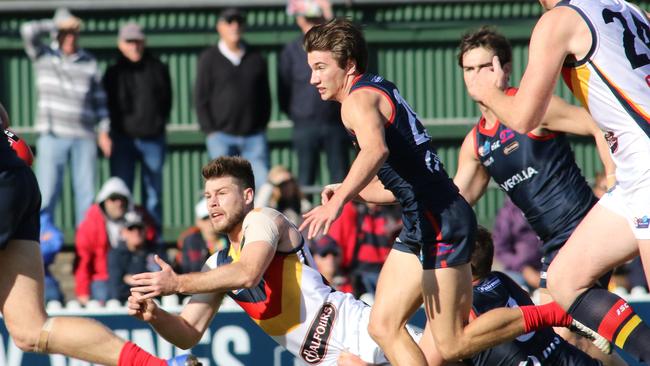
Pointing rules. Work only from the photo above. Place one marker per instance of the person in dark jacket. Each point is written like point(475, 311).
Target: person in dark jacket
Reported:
point(316, 123)
point(134, 254)
point(232, 96)
point(139, 94)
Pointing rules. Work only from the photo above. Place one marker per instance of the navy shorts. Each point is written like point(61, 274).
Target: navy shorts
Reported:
point(445, 239)
point(20, 205)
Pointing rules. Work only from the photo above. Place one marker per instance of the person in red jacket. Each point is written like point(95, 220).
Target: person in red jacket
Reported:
point(365, 235)
point(99, 232)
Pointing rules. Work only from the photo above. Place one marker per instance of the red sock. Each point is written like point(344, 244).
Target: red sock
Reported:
point(132, 355)
point(547, 315)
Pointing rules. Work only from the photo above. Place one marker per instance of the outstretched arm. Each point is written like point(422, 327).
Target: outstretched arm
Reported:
point(247, 272)
point(184, 330)
point(361, 113)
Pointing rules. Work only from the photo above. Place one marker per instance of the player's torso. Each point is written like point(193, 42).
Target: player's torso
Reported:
point(539, 174)
point(295, 306)
point(613, 82)
point(413, 171)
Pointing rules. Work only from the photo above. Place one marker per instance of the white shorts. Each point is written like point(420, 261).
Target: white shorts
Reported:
point(368, 350)
point(633, 205)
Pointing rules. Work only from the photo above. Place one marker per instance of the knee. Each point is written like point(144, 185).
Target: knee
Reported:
point(25, 336)
point(450, 348)
point(383, 329)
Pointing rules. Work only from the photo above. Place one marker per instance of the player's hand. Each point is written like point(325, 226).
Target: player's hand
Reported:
point(486, 80)
point(320, 218)
point(140, 308)
point(348, 359)
point(152, 284)
point(328, 192)
point(105, 144)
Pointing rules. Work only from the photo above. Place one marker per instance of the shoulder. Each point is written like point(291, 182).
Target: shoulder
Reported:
point(260, 218)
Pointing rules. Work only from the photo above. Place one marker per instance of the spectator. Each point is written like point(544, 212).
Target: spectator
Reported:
point(139, 94)
point(233, 101)
point(71, 102)
point(516, 246)
point(133, 254)
point(97, 234)
point(327, 256)
point(198, 242)
point(282, 192)
point(51, 239)
point(316, 123)
point(365, 234)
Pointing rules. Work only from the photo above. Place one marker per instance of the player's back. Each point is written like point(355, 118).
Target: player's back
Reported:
point(542, 347)
point(612, 83)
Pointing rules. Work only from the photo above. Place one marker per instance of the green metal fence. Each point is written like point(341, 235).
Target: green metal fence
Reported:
point(413, 45)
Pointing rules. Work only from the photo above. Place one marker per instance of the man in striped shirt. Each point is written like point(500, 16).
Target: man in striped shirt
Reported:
point(71, 109)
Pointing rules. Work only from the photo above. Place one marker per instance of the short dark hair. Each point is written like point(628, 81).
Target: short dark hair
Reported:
point(483, 253)
point(487, 37)
point(342, 38)
point(233, 166)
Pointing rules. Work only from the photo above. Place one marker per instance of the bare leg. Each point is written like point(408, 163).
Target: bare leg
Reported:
point(21, 301)
point(397, 297)
point(590, 245)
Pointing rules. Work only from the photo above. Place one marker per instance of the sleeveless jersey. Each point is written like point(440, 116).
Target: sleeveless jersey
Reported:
point(542, 347)
point(613, 83)
point(413, 171)
point(296, 307)
point(540, 175)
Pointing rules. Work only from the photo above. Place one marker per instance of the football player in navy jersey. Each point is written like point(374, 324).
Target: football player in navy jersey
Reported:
point(601, 49)
point(536, 170)
point(397, 163)
point(21, 283)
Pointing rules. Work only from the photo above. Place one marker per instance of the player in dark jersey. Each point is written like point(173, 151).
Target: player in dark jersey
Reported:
point(495, 289)
point(536, 170)
point(21, 283)
point(397, 163)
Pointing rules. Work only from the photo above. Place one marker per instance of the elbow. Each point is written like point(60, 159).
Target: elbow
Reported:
point(250, 281)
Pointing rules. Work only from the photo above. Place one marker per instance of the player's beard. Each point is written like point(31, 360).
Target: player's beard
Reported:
point(230, 221)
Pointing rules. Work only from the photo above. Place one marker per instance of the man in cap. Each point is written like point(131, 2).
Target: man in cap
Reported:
point(316, 123)
point(139, 94)
point(72, 109)
point(232, 96)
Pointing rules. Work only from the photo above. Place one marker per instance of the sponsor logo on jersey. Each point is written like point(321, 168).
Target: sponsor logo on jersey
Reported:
point(488, 161)
point(511, 148)
point(377, 79)
point(484, 149)
point(642, 222)
point(495, 145)
point(522, 176)
point(506, 135)
point(612, 141)
point(314, 347)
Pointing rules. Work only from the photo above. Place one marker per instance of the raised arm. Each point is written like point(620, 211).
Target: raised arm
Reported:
point(471, 177)
point(553, 39)
point(33, 33)
point(564, 117)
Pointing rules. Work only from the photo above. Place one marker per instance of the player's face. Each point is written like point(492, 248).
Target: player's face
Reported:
point(326, 75)
point(226, 203)
point(476, 59)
